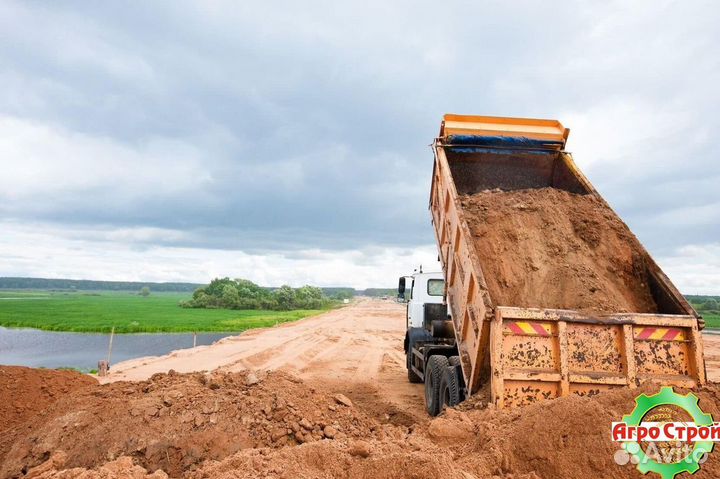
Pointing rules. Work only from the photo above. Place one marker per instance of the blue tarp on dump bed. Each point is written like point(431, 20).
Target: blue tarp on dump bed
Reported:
point(467, 142)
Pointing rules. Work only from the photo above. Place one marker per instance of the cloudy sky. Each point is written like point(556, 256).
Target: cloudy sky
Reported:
point(287, 142)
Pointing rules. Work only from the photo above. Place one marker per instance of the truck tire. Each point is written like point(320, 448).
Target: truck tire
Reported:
point(455, 361)
point(434, 371)
point(449, 388)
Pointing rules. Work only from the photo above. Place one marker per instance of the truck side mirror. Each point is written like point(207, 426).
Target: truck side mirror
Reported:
point(401, 287)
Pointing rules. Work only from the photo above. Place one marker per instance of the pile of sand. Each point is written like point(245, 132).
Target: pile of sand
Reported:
point(26, 391)
point(249, 430)
point(548, 248)
point(174, 422)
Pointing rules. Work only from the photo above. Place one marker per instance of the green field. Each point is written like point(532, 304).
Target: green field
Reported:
point(128, 313)
point(711, 317)
point(711, 320)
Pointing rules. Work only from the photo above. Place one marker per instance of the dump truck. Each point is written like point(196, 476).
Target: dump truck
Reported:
point(506, 331)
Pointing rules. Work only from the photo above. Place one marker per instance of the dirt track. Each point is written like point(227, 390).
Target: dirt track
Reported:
point(711, 343)
point(357, 350)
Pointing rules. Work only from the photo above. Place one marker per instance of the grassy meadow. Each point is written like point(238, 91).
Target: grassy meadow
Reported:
point(709, 311)
point(128, 312)
point(712, 320)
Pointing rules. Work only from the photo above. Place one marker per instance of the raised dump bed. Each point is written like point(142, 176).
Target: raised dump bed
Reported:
point(548, 291)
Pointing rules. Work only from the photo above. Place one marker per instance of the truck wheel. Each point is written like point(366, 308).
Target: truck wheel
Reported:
point(449, 388)
point(412, 377)
point(455, 361)
point(434, 371)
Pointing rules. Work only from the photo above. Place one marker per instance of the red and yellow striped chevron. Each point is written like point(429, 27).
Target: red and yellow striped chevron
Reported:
point(659, 334)
point(527, 328)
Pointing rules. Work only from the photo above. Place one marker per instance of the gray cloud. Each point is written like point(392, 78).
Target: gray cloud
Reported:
point(277, 126)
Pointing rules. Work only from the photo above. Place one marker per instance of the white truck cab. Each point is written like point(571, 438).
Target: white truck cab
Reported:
point(418, 290)
point(429, 329)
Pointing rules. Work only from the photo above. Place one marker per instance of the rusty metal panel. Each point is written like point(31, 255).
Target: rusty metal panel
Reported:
point(590, 390)
point(531, 345)
point(466, 292)
point(541, 353)
point(594, 348)
point(660, 357)
point(522, 393)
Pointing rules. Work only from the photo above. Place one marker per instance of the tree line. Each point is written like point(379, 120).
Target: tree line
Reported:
point(16, 283)
point(92, 285)
point(710, 304)
point(226, 293)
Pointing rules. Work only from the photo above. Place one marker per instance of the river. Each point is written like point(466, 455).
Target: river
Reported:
point(49, 349)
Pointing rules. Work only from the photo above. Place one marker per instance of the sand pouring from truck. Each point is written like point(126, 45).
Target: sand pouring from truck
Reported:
point(544, 292)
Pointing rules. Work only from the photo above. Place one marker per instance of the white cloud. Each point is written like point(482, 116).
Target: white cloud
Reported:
point(695, 269)
point(623, 134)
point(148, 139)
point(45, 161)
point(42, 250)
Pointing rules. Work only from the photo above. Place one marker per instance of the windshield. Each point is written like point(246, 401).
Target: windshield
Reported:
point(436, 287)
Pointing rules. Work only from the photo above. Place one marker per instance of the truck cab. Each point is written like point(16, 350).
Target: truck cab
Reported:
point(429, 333)
point(417, 291)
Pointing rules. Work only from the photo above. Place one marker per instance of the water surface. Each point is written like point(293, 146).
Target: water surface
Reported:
point(49, 349)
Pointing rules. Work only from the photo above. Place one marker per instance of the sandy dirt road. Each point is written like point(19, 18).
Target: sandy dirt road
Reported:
point(711, 343)
point(356, 350)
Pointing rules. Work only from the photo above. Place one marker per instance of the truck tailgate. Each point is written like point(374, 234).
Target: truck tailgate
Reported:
point(545, 353)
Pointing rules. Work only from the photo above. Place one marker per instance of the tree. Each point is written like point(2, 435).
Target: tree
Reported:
point(285, 297)
point(199, 300)
point(216, 286)
point(145, 291)
point(344, 294)
point(229, 297)
point(308, 297)
point(710, 305)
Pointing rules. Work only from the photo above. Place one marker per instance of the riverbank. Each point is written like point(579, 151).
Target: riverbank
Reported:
point(99, 312)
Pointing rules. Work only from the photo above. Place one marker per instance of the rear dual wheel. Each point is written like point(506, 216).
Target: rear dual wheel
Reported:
point(434, 371)
point(442, 387)
point(450, 387)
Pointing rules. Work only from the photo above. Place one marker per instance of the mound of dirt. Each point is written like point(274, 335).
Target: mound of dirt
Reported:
point(174, 422)
point(565, 438)
point(26, 391)
point(548, 248)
